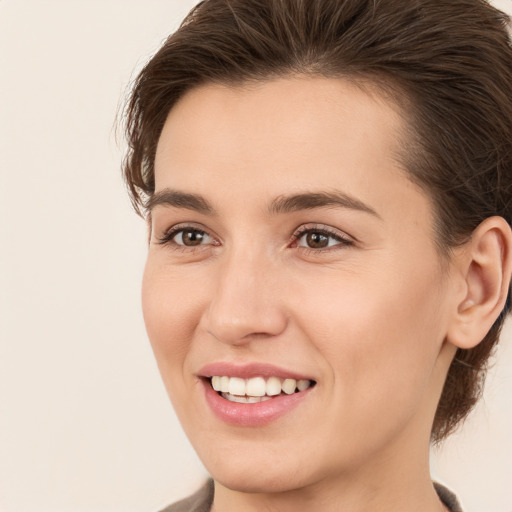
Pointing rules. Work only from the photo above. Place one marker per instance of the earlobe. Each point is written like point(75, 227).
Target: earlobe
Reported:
point(485, 265)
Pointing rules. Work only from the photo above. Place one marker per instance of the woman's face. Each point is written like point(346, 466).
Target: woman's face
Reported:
point(287, 244)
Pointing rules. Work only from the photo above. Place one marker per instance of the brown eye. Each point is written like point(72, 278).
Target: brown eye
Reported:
point(316, 240)
point(191, 237)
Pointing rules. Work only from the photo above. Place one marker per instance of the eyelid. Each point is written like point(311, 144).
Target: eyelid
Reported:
point(343, 238)
point(166, 238)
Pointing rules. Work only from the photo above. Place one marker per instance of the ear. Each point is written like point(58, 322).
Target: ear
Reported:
point(484, 267)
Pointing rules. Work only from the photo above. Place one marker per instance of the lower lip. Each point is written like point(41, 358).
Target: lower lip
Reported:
point(251, 415)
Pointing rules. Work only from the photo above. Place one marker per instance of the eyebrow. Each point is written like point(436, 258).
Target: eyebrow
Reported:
point(177, 199)
point(280, 205)
point(311, 200)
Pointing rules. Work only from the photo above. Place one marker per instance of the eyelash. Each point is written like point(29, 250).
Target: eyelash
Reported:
point(168, 236)
point(342, 240)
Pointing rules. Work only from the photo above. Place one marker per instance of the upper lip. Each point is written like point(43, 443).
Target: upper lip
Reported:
point(249, 370)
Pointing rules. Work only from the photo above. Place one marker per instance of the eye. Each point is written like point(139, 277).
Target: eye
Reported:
point(191, 237)
point(186, 237)
point(316, 238)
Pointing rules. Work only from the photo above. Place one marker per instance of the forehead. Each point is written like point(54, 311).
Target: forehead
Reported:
point(277, 124)
point(280, 123)
point(285, 136)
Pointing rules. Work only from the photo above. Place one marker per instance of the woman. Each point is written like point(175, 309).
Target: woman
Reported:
point(328, 190)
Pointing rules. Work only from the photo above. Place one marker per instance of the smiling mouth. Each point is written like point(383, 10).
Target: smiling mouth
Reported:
point(256, 389)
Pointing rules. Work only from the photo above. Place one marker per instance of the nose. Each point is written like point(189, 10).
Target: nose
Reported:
point(246, 303)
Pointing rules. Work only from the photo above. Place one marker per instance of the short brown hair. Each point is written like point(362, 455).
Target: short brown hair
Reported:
point(450, 62)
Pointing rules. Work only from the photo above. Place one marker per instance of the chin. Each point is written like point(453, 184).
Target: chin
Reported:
point(261, 473)
point(256, 482)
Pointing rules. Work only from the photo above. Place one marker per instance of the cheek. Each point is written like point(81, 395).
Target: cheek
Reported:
point(170, 313)
point(380, 340)
point(171, 309)
point(380, 333)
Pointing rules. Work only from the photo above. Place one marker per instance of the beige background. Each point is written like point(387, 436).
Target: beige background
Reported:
point(85, 424)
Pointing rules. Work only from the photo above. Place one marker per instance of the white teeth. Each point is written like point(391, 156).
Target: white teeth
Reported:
point(216, 383)
point(273, 386)
point(236, 386)
point(289, 386)
point(303, 384)
point(224, 384)
point(245, 399)
point(256, 388)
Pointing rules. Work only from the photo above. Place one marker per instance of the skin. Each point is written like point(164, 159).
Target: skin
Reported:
point(368, 318)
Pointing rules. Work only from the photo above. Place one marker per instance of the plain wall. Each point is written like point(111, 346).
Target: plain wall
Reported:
point(85, 424)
